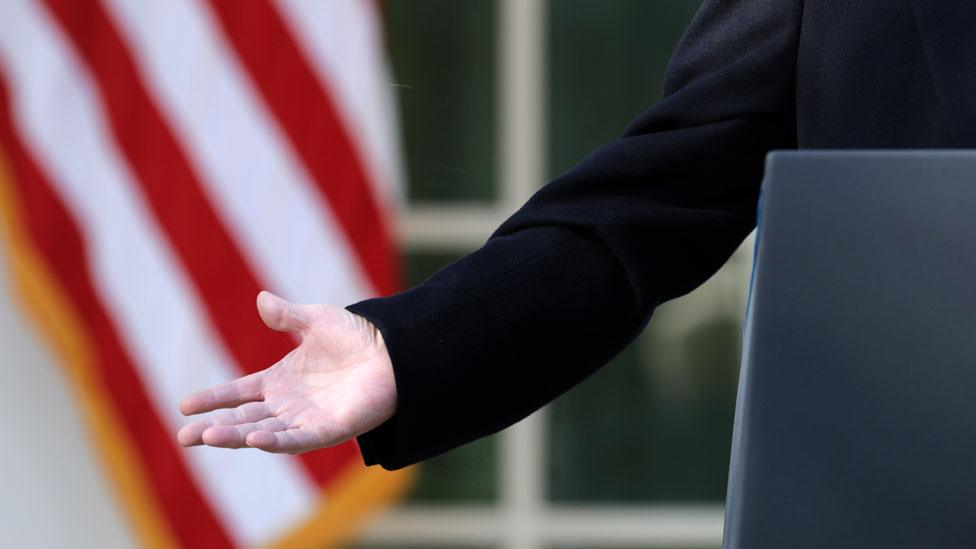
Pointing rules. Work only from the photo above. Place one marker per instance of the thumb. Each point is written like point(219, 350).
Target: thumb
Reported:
point(283, 315)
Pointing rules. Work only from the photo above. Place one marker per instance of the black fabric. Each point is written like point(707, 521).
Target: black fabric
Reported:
point(574, 275)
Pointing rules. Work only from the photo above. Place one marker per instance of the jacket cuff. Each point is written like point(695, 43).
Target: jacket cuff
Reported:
point(381, 446)
point(377, 446)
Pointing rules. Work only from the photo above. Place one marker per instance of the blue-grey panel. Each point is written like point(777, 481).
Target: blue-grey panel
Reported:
point(856, 416)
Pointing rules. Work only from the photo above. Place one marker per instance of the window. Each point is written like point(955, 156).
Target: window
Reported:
point(497, 97)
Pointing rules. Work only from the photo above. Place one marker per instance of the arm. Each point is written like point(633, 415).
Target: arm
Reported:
point(558, 290)
point(572, 277)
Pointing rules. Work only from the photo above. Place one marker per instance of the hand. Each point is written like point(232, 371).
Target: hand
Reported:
point(338, 383)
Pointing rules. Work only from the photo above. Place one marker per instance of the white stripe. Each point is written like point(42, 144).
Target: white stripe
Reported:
point(343, 39)
point(58, 113)
point(254, 180)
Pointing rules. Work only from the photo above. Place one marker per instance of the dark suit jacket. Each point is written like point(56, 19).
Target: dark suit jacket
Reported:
point(573, 276)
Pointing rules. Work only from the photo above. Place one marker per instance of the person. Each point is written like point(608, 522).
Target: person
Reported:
point(573, 276)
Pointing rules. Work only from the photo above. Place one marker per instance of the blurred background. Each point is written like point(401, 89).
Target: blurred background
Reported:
point(487, 100)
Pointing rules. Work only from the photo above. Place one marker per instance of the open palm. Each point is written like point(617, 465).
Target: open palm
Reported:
point(338, 383)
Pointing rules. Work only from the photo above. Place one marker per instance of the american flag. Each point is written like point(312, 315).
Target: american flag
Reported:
point(160, 163)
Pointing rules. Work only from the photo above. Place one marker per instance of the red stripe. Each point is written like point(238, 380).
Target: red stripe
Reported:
point(223, 280)
point(59, 241)
point(307, 113)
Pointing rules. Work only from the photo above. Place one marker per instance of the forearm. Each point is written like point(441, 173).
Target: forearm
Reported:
point(488, 340)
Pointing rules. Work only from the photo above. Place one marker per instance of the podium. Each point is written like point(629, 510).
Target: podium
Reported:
point(855, 422)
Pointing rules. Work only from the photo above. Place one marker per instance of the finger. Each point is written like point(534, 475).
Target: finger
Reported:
point(283, 315)
point(192, 434)
point(245, 413)
point(292, 441)
point(226, 395)
point(233, 436)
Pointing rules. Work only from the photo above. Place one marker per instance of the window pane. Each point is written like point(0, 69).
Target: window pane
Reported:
point(655, 425)
point(466, 473)
point(463, 475)
point(443, 55)
point(606, 64)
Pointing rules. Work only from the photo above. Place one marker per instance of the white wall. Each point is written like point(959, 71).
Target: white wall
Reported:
point(52, 489)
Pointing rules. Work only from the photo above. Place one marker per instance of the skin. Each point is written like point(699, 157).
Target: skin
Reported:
point(338, 383)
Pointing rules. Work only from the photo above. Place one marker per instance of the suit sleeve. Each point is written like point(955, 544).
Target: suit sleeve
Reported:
point(573, 276)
